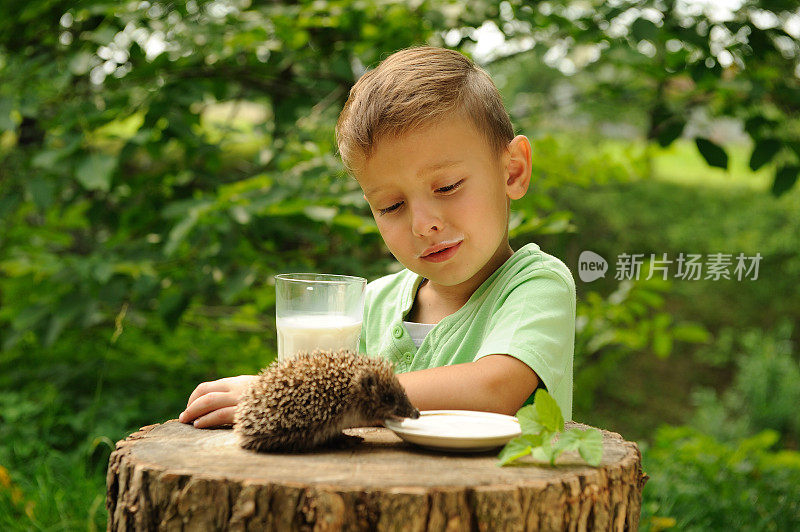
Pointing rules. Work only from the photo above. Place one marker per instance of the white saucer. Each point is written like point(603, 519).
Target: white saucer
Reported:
point(457, 430)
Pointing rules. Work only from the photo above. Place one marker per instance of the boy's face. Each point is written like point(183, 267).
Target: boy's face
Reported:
point(440, 196)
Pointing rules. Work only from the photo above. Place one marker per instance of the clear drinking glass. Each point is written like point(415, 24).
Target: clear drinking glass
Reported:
point(318, 311)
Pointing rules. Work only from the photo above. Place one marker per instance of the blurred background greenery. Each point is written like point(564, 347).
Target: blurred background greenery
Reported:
point(160, 161)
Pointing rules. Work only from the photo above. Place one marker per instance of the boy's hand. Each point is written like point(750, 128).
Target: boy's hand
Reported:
point(214, 403)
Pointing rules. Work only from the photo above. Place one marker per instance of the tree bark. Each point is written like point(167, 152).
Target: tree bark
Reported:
point(175, 477)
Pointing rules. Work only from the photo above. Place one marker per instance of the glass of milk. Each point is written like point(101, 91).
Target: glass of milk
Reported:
point(318, 311)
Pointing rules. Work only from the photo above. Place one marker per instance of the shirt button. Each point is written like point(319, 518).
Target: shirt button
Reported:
point(408, 355)
point(398, 331)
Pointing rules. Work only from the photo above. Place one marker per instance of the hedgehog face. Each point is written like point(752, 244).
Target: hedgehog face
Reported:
point(384, 397)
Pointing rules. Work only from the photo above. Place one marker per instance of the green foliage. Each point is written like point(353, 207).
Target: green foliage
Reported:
point(53, 480)
point(632, 318)
point(687, 209)
point(698, 482)
point(61, 409)
point(724, 472)
point(765, 390)
point(661, 216)
point(544, 438)
point(133, 121)
point(659, 64)
point(176, 155)
point(556, 162)
point(629, 320)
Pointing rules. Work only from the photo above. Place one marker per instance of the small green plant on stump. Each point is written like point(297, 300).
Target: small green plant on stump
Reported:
point(542, 423)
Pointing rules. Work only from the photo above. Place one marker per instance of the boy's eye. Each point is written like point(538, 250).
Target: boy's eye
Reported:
point(390, 208)
point(440, 190)
point(450, 188)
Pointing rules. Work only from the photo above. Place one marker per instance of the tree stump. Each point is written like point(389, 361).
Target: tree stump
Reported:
point(173, 476)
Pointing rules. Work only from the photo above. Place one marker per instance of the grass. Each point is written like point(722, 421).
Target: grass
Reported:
point(63, 409)
point(682, 164)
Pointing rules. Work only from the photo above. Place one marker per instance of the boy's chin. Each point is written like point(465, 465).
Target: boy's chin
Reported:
point(442, 274)
point(446, 280)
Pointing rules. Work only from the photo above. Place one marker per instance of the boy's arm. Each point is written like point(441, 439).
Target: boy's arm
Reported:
point(494, 383)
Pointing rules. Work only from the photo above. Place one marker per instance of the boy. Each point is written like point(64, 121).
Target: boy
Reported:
point(469, 324)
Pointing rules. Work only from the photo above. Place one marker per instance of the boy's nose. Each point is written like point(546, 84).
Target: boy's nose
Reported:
point(424, 222)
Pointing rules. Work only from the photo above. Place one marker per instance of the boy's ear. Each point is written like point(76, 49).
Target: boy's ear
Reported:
point(518, 168)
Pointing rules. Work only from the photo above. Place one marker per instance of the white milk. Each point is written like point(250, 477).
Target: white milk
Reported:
point(309, 332)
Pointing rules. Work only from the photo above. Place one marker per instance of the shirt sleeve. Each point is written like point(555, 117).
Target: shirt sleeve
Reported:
point(536, 324)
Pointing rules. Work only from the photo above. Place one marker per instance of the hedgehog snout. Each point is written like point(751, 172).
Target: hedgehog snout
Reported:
point(402, 409)
point(414, 415)
point(408, 410)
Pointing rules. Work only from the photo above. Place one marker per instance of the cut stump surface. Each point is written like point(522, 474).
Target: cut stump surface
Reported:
point(173, 476)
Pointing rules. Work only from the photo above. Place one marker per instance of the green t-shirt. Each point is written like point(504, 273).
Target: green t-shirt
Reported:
point(525, 309)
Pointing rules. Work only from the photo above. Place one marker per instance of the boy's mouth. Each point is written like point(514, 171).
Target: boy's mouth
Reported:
point(441, 252)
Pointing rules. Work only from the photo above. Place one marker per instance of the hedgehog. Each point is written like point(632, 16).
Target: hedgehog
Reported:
point(305, 402)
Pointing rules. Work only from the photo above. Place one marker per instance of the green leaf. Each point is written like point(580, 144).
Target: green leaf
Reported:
point(529, 420)
point(351, 220)
point(179, 233)
point(662, 343)
point(763, 152)
point(6, 108)
point(567, 441)
point(590, 446)
point(670, 131)
point(516, 448)
point(795, 147)
point(690, 36)
point(320, 213)
point(46, 159)
point(755, 124)
point(662, 338)
point(643, 29)
point(548, 412)
point(712, 153)
point(103, 35)
point(690, 332)
point(535, 440)
point(95, 171)
point(785, 179)
point(544, 452)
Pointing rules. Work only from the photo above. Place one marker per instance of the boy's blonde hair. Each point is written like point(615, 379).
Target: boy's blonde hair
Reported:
point(413, 88)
